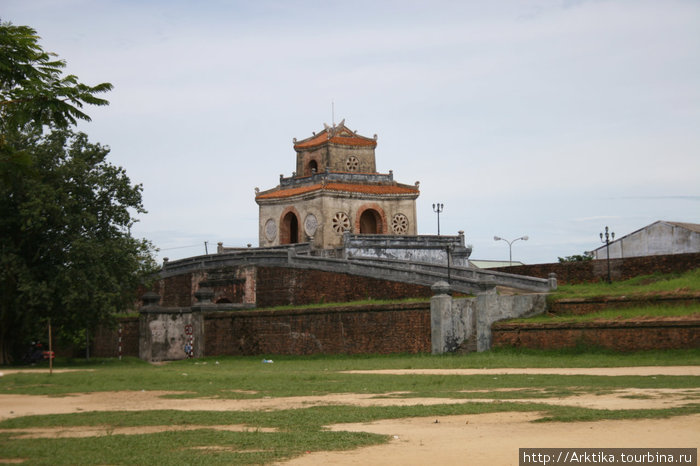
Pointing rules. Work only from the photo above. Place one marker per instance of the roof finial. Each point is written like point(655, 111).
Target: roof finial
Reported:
point(333, 113)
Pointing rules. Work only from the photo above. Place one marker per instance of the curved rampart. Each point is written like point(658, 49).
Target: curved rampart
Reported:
point(460, 279)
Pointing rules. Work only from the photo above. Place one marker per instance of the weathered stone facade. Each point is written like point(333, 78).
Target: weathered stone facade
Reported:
point(335, 189)
point(659, 238)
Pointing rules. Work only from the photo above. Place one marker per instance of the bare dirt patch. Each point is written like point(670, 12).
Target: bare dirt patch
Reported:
point(495, 438)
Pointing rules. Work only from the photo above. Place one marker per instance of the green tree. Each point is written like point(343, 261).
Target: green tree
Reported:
point(33, 89)
point(66, 250)
point(586, 256)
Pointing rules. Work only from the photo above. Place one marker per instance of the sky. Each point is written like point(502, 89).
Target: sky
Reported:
point(551, 119)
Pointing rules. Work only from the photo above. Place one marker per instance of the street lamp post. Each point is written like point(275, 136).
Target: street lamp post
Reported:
point(510, 246)
point(606, 240)
point(438, 208)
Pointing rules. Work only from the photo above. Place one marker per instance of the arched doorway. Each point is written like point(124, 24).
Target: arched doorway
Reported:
point(289, 233)
point(370, 223)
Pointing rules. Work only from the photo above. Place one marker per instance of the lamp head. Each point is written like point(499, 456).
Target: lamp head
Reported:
point(497, 238)
point(525, 238)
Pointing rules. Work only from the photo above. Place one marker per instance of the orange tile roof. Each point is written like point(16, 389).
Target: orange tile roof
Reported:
point(338, 135)
point(339, 187)
point(322, 138)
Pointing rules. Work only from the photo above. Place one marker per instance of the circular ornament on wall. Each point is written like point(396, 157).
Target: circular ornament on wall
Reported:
point(352, 163)
point(310, 224)
point(340, 222)
point(399, 224)
point(270, 230)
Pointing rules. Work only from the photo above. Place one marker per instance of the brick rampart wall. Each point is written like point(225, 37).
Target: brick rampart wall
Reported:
point(175, 291)
point(106, 341)
point(277, 286)
point(383, 329)
point(616, 335)
point(589, 305)
point(597, 270)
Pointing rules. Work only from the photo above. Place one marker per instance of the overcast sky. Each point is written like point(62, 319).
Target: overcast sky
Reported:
point(550, 119)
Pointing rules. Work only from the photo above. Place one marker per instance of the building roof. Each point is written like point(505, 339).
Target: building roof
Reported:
point(694, 227)
point(339, 187)
point(688, 226)
point(337, 134)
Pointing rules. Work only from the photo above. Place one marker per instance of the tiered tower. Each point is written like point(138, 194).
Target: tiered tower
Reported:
point(336, 188)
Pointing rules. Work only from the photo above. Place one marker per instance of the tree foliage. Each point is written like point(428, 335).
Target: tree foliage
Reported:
point(586, 256)
point(33, 89)
point(65, 212)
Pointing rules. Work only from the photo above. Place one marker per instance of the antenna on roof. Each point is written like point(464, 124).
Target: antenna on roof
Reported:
point(333, 113)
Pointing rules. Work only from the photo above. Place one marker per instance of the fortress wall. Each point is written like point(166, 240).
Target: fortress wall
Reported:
point(616, 335)
point(380, 329)
point(597, 270)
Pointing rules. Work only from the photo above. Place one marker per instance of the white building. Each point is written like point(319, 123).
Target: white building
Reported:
point(659, 238)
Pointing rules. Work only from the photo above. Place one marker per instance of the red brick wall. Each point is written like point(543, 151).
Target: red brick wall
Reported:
point(175, 291)
point(279, 286)
point(392, 328)
point(589, 305)
point(616, 335)
point(620, 269)
point(106, 341)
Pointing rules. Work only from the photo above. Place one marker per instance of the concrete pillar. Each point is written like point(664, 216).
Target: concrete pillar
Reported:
point(440, 317)
point(487, 307)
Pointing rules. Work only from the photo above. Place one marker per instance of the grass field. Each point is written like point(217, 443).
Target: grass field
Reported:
point(282, 433)
point(644, 285)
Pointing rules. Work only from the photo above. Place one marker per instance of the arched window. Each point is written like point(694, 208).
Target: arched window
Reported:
point(313, 167)
point(370, 223)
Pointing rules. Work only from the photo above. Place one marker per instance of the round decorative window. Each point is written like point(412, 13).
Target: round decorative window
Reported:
point(340, 222)
point(310, 224)
point(352, 163)
point(400, 224)
point(270, 230)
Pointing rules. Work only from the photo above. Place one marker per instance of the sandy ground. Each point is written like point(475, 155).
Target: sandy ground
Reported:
point(468, 439)
point(494, 439)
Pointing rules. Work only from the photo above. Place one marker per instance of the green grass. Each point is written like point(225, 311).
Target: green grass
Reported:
point(657, 283)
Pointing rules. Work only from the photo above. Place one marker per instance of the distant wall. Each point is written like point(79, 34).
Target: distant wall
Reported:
point(589, 305)
point(615, 335)
point(656, 239)
point(597, 270)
